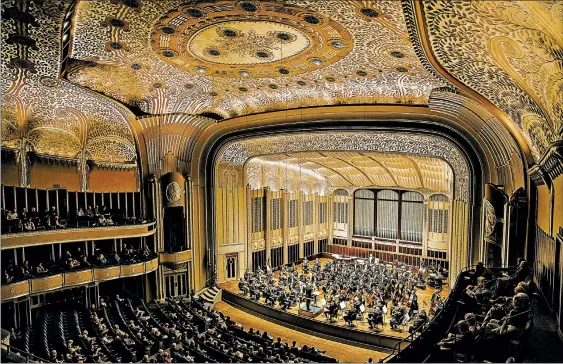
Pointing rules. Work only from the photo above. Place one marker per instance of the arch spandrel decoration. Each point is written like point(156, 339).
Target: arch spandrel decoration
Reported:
point(234, 155)
point(510, 52)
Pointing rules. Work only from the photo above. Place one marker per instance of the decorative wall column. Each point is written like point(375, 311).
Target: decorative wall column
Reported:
point(494, 205)
point(249, 247)
point(22, 159)
point(301, 222)
point(350, 224)
point(315, 217)
point(425, 227)
point(330, 218)
point(268, 224)
point(285, 219)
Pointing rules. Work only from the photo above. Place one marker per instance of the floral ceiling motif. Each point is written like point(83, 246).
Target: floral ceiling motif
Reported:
point(509, 51)
point(43, 114)
point(303, 53)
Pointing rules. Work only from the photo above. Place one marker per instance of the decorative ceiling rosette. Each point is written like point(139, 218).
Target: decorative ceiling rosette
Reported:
point(251, 38)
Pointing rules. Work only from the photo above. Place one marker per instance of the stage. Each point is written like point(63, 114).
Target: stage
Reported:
point(424, 297)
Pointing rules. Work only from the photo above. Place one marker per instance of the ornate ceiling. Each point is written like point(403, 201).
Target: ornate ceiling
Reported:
point(240, 57)
point(509, 51)
point(75, 73)
point(43, 114)
point(345, 159)
point(352, 169)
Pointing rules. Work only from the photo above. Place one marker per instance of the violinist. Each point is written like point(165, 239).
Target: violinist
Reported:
point(375, 317)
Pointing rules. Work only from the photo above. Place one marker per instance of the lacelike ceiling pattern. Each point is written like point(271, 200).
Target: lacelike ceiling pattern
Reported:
point(45, 115)
point(509, 51)
point(355, 169)
point(410, 158)
point(242, 57)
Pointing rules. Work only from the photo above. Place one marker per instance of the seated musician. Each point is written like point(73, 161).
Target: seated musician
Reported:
point(332, 310)
point(305, 265)
point(375, 317)
point(351, 314)
point(397, 316)
point(419, 321)
point(284, 300)
point(243, 286)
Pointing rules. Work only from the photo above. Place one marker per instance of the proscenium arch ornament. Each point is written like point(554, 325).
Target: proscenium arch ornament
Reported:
point(233, 154)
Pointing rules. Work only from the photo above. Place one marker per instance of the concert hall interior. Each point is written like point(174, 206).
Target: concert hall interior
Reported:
point(282, 181)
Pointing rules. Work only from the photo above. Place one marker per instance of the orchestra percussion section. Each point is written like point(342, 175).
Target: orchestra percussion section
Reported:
point(283, 181)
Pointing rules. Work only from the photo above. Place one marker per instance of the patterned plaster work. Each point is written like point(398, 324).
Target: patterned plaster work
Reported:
point(501, 149)
point(423, 148)
point(174, 134)
point(511, 53)
point(349, 170)
point(378, 63)
point(45, 115)
point(251, 38)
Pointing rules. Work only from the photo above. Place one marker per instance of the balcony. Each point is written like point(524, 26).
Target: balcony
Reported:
point(76, 278)
point(42, 237)
point(176, 257)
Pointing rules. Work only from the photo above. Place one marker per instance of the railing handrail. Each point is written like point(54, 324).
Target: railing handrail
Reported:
point(410, 337)
point(424, 328)
point(25, 354)
point(92, 270)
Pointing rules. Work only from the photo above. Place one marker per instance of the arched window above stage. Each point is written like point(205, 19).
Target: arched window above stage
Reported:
point(412, 216)
point(364, 213)
point(389, 214)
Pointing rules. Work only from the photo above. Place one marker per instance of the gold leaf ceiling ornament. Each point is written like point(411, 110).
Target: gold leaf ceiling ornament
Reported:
point(377, 63)
point(248, 38)
point(353, 159)
point(511, 53)
point(42, 113)
point(339, 169)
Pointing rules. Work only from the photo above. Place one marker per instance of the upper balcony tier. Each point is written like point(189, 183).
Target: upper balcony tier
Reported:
point(66, 235)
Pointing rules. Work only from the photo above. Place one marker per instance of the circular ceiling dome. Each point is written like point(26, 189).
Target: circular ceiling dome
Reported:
point(256, 42)
point(227, 39)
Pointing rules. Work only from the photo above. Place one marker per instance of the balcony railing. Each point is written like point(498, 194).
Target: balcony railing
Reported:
point(76, 278)
point(41, 237)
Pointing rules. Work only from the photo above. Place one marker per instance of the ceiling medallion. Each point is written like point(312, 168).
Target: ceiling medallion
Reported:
point(258, 39)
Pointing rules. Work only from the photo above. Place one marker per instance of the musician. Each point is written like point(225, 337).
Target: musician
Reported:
point(284, 300)
point(305, 265)
point(397, 317)
point(351, 314)
point(419, 321)
point(243, 286)
point(375, 317)
point(332, 310)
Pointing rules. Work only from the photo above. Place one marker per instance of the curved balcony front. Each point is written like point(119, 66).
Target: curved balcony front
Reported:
point(76, 278)
point(176, 257)
point(41, 237)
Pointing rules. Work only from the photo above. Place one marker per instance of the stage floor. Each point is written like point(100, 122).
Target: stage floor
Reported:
point(343, 352)
point(424, 297)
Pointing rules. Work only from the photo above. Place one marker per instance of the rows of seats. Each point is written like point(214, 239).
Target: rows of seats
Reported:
point(488, 317)
point(129, 330)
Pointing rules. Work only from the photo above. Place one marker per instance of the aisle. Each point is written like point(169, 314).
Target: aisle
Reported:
point(344, 353)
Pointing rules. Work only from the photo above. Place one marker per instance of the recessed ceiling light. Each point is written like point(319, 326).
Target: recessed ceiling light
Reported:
point(244, 73)
point(201, 69)
point(316, 61)
point(336, 44)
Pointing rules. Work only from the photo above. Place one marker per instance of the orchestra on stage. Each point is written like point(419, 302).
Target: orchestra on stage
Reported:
point(350, 290)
